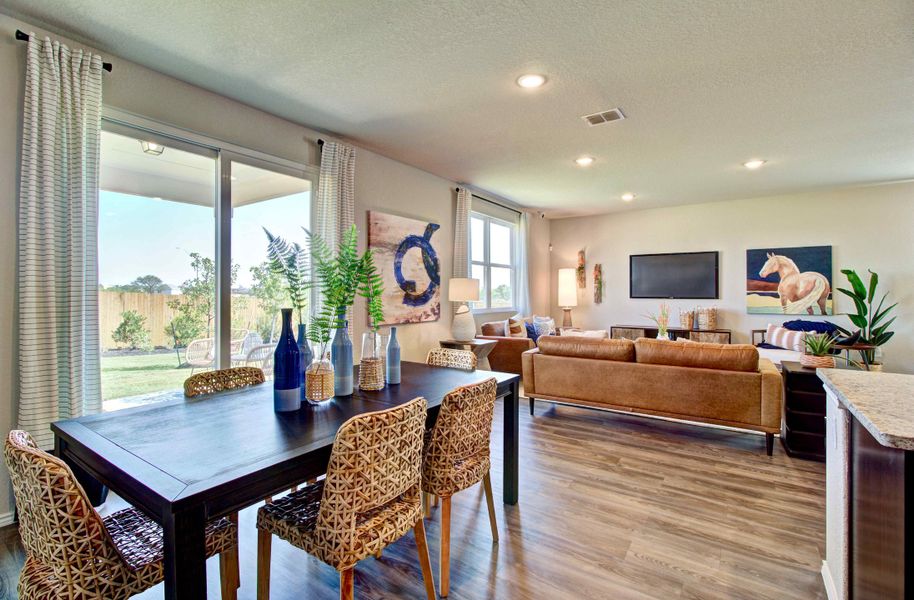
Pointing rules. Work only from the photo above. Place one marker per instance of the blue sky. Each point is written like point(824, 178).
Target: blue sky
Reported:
point(147, 236)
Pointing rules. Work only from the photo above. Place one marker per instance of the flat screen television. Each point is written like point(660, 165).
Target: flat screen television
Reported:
point(690, 275)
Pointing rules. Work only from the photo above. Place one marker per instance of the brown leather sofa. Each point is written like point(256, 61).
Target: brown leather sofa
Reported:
point(506, 355)
point(723, 384)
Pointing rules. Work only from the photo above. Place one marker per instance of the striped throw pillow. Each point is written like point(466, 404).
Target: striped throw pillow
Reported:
point(785, 338)
point(516, 327)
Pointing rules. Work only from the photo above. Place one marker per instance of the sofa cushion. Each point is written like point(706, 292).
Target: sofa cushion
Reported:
point(517, 327)
point(581, 347)
point(494, 328)
point(785, 338)
point(700, 355)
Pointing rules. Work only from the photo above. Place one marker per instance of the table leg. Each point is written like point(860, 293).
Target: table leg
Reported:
point(95, 491)
point(512, 443)
point(185, 554)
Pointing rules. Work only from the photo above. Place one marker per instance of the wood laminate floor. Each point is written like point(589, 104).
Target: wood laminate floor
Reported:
point(611, 506)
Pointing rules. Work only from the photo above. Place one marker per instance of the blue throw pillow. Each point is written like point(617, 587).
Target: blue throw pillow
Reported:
point(768, 346)
point(531, 332)
point(810, 326)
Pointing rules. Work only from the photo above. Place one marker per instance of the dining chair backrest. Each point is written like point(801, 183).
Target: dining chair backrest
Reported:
point(457, 453)
point(209, 382)
point(454, 359)
point(375, 463)
point(57, 523)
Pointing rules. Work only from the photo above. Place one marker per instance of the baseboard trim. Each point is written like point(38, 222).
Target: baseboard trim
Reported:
point(7, 519)
point(830, 592)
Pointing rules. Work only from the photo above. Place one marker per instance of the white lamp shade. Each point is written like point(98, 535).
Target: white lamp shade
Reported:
point(461, 289)
point(568, 288)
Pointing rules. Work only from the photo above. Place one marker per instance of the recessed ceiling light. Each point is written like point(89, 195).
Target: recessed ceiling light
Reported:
point(628, 196)
point(755, 163)
point(233, 178)
point(531, 81)
point(584, 161)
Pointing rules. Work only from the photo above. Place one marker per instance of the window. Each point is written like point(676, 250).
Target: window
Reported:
point(174, 209)
point(492, 261)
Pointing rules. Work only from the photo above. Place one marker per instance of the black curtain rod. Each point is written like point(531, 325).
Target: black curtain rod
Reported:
point(24, 37)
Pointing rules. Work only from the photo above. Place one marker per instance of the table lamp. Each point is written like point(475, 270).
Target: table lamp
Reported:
point(463, 290)
point(568, 293)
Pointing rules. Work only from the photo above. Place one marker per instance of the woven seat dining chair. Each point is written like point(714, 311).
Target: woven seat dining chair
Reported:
point(369, 499)
point(454, 359)
point(210, 382)
point(456, 456)
point(72, 552)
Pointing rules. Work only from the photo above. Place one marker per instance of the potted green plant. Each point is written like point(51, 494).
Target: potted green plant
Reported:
point(371, 287)
point(874, 328)
point(819, 348)
point(662, 319)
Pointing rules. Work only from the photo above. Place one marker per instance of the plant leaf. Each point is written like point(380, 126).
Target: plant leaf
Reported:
point(856, 283)
point(874, 281)
point(858, 321)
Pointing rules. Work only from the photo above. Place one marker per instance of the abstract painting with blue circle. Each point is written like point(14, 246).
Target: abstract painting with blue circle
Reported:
point(406, 254)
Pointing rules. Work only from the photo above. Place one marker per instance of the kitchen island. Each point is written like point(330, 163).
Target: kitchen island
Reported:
point(869, 485)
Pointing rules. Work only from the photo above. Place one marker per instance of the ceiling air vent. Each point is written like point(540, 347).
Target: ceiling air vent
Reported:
point(608, 116)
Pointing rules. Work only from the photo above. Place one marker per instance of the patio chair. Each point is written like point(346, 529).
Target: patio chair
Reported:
point(200, 354)
point(261, 357)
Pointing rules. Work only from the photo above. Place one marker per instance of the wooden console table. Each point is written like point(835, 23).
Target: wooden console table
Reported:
point(632, 332)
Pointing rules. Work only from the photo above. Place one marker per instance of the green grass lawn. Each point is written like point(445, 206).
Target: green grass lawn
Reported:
point(124, 376)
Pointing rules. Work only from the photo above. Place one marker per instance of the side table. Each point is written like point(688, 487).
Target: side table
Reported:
point(480, 348)
point(803, 418)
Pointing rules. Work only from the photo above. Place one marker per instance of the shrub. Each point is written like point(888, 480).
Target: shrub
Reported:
point(131, 331)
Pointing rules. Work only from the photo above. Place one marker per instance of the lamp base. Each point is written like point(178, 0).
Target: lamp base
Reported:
point(566, 320)
point(463, 328)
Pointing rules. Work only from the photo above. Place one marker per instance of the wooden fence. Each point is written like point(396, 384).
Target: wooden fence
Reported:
point(154, 307)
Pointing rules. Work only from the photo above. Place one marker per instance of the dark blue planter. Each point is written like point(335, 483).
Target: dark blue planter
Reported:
point(304, 349)
point(287, 372)
point(341, 358)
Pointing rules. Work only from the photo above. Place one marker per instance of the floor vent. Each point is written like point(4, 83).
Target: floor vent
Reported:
point(607, 116)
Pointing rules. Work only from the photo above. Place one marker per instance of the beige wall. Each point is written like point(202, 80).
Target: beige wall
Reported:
point(868, 227)
point(381, 184)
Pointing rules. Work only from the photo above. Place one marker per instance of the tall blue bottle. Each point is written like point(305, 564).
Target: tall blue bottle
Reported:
point(304, 349)
point(341, 357)
point(286, 368)
point(393, 358)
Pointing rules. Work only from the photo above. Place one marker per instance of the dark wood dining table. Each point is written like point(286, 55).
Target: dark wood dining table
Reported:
point(186, 461)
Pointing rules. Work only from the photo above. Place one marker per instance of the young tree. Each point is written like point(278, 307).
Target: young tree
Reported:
point(196, 307)
point(271, 292)
point(131, 331)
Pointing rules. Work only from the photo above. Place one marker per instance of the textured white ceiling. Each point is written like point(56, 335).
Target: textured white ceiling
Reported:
point(822, 89)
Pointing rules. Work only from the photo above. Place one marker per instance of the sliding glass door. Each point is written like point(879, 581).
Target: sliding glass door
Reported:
point(265, 199)
point(185, 283)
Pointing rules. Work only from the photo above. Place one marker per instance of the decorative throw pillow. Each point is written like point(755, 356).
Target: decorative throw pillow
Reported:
point(544, 325)
point(516, 328)
point(531, 332)
point(785, 338)
point(810, 326)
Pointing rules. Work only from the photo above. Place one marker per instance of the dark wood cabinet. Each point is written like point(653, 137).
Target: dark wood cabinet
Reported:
point(803, 416)
point(882, 519)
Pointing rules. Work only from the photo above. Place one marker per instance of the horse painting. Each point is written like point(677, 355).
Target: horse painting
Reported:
point(798, 292)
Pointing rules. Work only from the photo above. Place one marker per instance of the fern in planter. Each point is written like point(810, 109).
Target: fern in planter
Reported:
point(290, 261)
point(371, 287)
point(874, 329)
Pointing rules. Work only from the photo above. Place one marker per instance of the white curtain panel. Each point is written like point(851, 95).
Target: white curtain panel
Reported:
point(523, 272)
point(462, 237)
point(58, 237)
point(334, 211)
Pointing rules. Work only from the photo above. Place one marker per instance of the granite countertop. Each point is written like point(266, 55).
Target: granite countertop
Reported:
point(882, 402)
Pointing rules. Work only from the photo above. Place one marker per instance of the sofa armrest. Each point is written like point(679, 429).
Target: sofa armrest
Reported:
point(772, 394)
point(505, 356)
point(528, 376)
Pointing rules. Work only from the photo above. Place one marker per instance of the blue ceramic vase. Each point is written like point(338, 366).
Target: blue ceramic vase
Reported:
point(341, 358)
point(304, 349)
point(287, 372)
point(393, 358)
